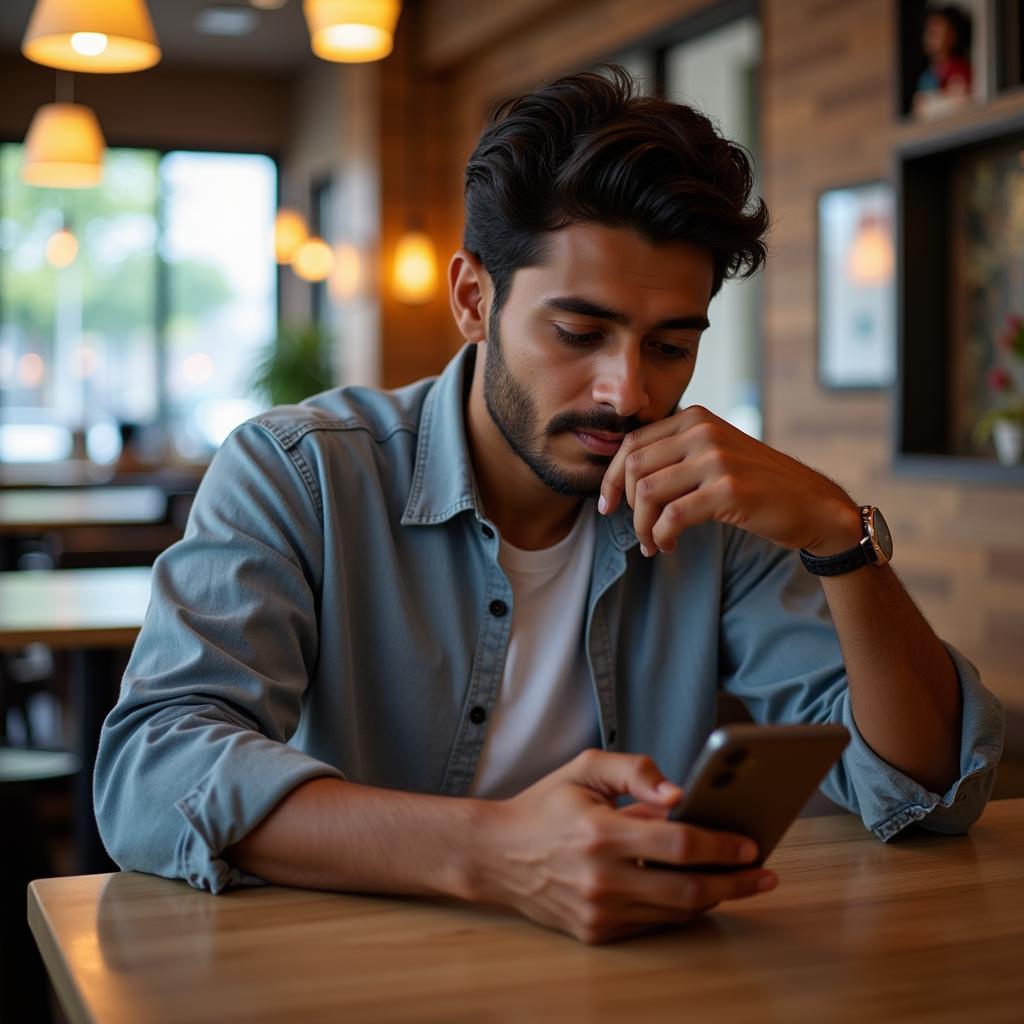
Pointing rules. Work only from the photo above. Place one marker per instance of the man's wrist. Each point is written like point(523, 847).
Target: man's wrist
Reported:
point(475, 880)
point(844, 530)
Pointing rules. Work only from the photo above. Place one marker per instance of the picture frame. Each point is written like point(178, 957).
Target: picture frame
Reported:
point(856, 299)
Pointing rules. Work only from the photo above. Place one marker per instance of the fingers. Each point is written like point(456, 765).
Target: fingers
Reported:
point(671, 842)
point(693, 891)
point(611, 902)
point(612, 775)
point(614, 482)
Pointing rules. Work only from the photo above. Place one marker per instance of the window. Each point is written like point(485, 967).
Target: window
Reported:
point(147, 308)
point(716, 72)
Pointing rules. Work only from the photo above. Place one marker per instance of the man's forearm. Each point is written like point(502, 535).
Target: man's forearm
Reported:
point(904, 689)
point(331, 834)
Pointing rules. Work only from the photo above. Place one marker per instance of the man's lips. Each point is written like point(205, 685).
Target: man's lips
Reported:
point(600, 442)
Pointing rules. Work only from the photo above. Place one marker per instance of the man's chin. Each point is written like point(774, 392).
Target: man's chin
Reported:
point(574, 482)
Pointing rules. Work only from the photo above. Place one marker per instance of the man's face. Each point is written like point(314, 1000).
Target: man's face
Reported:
point(597, 342)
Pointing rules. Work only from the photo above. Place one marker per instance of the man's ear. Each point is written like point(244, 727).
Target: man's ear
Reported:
point(469, 292)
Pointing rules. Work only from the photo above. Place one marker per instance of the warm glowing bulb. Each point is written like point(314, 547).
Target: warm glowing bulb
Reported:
point(30, 370)
point(290, 232)
point(347, 274)
point(314, 260)
point(61, 249)
point(871, 256)
point(88, 44)
point(414, 279)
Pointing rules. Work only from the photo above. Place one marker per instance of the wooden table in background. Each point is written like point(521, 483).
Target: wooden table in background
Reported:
point(93, 614)
point(927, 928)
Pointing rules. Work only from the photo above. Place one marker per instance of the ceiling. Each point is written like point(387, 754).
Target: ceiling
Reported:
point(279, 44)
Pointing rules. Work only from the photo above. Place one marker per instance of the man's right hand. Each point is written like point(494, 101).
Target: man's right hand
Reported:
point(563, 855)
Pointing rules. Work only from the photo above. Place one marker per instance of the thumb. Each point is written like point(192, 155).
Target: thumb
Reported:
point(613, 775)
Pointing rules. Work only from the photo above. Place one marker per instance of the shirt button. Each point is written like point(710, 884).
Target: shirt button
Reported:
point(477, 715)
point(487, 531)
point(497, 608)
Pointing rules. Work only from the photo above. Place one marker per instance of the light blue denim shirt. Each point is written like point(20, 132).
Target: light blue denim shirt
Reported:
point(336, 608)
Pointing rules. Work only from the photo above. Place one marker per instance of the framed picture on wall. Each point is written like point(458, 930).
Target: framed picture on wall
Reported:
point(856, 295)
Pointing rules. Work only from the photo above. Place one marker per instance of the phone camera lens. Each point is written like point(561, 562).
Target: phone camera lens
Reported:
point(722, 779)
point(736, 757)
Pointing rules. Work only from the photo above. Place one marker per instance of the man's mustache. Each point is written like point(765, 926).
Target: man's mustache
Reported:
point(596, 420)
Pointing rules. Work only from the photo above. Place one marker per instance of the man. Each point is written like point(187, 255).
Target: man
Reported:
point(400, 649)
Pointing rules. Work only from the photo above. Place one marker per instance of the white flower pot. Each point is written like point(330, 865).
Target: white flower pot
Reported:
point(1008, 436)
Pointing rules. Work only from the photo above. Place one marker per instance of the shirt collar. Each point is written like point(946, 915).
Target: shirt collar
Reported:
point(443, 484)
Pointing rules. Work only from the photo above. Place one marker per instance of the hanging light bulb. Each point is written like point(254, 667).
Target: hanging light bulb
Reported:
point(352, 31)
point(414, 276)
point(347, 275)
point(313, 260)
point(290, 232)
point(61, 249)
point(101, 36)
point(63, 148)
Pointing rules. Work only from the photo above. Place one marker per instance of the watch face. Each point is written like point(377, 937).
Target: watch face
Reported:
point(882, 536)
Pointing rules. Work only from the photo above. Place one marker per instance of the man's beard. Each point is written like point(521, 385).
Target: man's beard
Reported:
point(515, 415)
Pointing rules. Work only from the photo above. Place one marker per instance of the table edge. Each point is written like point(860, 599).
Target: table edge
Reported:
point(61, 976)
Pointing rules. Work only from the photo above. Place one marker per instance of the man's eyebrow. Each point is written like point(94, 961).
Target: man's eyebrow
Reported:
point(584, 307)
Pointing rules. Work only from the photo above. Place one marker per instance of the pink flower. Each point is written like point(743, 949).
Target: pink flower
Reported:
point(999, 379)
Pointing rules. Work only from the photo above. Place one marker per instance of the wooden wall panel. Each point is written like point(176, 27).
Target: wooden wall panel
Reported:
point(828, 88)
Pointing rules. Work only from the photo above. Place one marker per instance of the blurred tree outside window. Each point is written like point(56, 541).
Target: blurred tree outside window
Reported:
point(151, 314)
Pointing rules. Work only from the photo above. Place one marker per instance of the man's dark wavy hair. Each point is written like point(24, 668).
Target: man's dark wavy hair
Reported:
point(591, 148)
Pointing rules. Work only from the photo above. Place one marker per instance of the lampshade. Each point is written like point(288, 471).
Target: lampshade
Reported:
point(290, 232)
point(352, 31)
point(64, 147)
point(102, 36)
point(414, 277)
point(314, 260)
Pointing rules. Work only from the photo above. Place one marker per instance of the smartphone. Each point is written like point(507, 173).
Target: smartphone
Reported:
point(755, 779)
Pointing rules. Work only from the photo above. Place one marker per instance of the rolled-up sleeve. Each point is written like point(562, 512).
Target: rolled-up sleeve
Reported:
point(781, 657)
point(195, 753)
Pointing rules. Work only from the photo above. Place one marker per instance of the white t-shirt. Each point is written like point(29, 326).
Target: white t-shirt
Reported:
point(546, 712)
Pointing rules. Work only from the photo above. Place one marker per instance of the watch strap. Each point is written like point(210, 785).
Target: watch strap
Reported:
point(836, 565)
point(846, 561)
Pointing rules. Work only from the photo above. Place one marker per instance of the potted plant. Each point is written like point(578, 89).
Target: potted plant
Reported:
point(294, 365)
point(1004, 419)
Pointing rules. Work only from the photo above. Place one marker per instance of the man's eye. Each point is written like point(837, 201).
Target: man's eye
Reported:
point(663, 348)
point(576, 339)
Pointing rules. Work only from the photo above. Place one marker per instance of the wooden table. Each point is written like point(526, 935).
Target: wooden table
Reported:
point(35, 510)
point(93, 613)
point(927, 928)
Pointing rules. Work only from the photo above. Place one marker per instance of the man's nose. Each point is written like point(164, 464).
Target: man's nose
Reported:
point(620, 384)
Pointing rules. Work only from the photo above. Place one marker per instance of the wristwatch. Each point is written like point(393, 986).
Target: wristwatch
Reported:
point(875, 548)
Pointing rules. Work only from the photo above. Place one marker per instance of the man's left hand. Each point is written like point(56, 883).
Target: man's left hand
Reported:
point(693, 467)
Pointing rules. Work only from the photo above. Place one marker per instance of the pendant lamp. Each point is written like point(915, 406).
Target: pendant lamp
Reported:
point(290, 232)
point(64, 147)
point(414, 275)
point(101, 36)
point(313, 260)
point(352, 31)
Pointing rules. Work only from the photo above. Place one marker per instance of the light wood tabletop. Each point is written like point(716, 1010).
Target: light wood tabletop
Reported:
point(35, 510)
point(927, 928)
point(73, 608)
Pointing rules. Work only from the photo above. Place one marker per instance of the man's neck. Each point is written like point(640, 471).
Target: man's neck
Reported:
point(527, 513)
